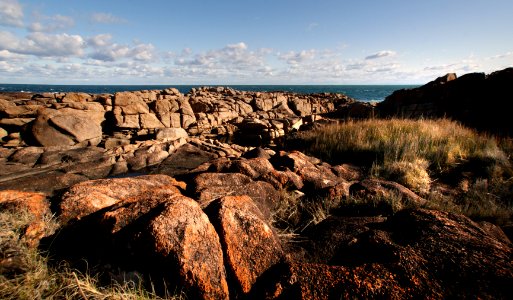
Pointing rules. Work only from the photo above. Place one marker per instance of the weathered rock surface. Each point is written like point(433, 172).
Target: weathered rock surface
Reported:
point(415, 253)
point(90, 196)
point(35, 204)
point(250, 245)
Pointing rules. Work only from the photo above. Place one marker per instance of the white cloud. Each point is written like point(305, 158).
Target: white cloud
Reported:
point(105, 50)
point(6, 55)
point(50, 24)
point(11, 13)
point(43, 44)
point(294, 58)
point(100, 40)
point(381, 54)
point(106, 18)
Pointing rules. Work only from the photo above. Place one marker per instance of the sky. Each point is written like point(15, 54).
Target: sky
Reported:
point(251, 42)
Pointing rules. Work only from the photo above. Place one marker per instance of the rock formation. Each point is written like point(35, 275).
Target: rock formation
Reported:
point(475, 99)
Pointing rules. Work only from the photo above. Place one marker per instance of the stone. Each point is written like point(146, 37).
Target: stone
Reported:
point(171, 134)
point(82, 126)
point(415, 253)
point(33, 203)
point(130, 103)
point(111, 143)
point(27, 155)
point(17, 122)
point(67, 127)
point(250, 246)
point(3, 133)
point(46, 182)
point(76, 97)
point(185, 239)
point(88, 197)
point(212, 186)
point(129, 121)
point(150, 121)
point(386, 189)
point(185, 159)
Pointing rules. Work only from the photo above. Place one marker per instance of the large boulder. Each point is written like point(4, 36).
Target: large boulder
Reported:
point(88, 197)
point(250, 245)
point(67, 126)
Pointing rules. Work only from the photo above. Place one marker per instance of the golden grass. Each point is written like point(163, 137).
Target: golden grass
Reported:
point(418, 153)
point(443, 143)
point(25, 273)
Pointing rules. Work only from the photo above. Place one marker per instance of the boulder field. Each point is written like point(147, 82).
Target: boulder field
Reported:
point(144, 189)
point(218, 231)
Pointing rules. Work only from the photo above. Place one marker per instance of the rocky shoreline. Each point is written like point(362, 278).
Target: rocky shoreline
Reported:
point(143, 187)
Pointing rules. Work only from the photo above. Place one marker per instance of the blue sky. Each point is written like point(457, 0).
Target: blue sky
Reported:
point(251, 42)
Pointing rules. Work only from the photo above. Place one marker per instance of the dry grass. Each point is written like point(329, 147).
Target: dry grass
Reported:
point(419, 153)
point(442, 143)
point(25, 273)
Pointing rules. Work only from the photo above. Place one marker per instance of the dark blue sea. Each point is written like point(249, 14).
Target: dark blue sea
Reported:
point(358, 92)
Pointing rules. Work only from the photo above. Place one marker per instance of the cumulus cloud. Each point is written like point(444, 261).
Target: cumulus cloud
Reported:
point(43, 44)
point(105, 50)
point(6, 55)
point(100, 40)
point(11, 13)
point(381, 54)
point(53, 23)
point(294, 58)
point(106, 18)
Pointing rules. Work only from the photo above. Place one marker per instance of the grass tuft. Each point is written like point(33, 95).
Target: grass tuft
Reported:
point(25, 273)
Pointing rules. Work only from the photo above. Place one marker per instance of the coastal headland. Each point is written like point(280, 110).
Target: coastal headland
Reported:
point(227, 194)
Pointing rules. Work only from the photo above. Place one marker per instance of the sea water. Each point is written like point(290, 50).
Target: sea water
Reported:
point(358, 92)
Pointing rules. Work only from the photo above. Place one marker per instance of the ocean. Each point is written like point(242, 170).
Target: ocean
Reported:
point(358, 92)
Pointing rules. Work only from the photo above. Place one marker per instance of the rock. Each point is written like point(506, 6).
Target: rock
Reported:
point(250, 245)
point(212, 186)
point(111, 143)
point(256, 153)
point(27, 155)
point(415, 253)
point(33, 203)
point(459, 99)
point(46, 182)
point(386, 190)
point(130, 103)
point(183, 160)
point(150, 121)
point(76, 97)
point(184, 238)
point(88, 197)
point(171, 134)
point(67, 127)
point(3, 133)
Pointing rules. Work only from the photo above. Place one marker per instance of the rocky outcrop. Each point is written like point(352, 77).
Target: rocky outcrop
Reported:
point(415, 253)
point(475, 99)
point(58, 119)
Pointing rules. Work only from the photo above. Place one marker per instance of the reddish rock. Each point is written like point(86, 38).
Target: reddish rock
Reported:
point(250, 245)
point(412, 254)
point(35, 204)
point(212, 186)
point(182, 235)
point(90, 196)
